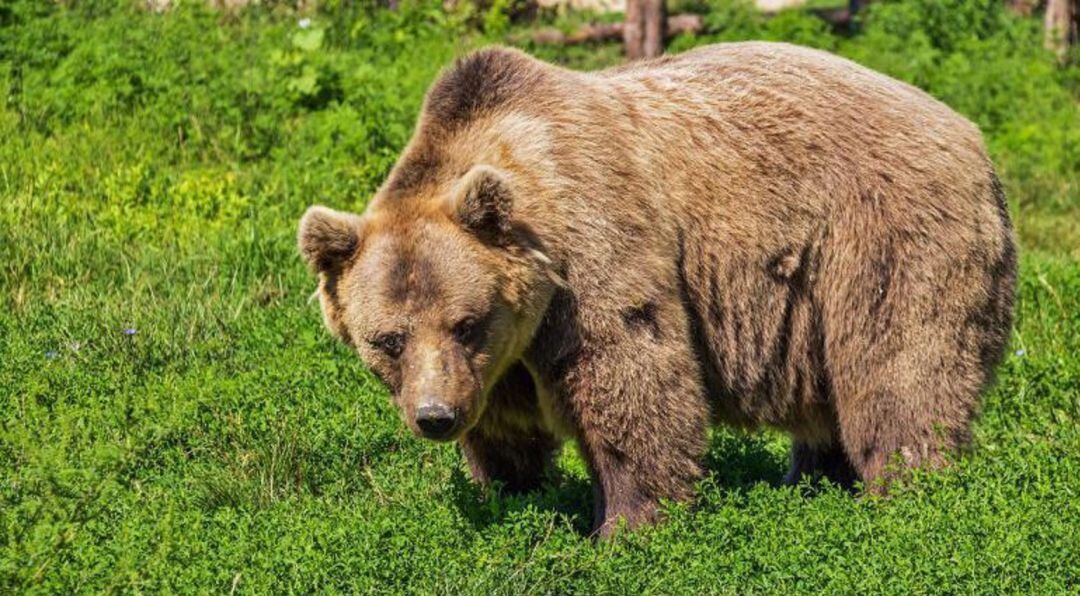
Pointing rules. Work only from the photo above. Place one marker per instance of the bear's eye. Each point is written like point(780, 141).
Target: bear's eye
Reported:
point(391, 344)
point(467, 331)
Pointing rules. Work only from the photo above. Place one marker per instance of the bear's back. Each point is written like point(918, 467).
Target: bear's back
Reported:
point(772, 126)
point(802, 102)
point(796, 75)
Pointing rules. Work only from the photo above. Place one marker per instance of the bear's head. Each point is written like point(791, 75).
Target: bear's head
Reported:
point(439, 294)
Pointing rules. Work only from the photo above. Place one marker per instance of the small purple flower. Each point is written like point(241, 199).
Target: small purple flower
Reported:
point(129, 331)
point(1021, 352)
point(51, 355)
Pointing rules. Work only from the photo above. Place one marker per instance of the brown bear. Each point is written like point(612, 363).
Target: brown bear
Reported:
point(751, 233)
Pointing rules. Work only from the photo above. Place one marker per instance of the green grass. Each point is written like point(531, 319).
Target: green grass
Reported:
point(152, 170)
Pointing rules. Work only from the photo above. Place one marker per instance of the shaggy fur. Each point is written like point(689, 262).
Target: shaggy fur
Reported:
point(752, 233)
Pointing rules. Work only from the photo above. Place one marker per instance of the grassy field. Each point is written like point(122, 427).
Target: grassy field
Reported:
point(174, 417)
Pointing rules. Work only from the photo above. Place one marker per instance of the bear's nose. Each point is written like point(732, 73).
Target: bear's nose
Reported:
point(435, 420)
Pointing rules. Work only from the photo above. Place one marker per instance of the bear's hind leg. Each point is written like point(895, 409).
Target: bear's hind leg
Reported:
point(882, 444)
point(911, 405)
point(817, 462)
point(914, 322)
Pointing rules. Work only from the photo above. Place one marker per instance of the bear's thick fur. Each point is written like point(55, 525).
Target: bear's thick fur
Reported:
point(753, 233)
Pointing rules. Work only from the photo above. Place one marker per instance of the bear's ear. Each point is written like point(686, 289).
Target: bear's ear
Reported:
point(482, 201)
point(327, 238)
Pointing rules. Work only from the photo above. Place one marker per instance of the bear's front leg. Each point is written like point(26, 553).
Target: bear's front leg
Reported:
point(509, 445)
point(519, 463)
point(637, 400)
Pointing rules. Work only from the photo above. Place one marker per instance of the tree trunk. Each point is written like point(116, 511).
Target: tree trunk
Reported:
point(633, 29)
point(643, 30)
point(655, 22)
point(1062, 26)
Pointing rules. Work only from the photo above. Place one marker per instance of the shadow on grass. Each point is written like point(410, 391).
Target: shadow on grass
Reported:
point(566, 495)
point(735, 461)
point(740, 461)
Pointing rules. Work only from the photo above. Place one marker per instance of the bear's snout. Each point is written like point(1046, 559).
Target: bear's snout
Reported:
point(436, 420)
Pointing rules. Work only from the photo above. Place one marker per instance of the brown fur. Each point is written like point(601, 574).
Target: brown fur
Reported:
point(753, 233)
